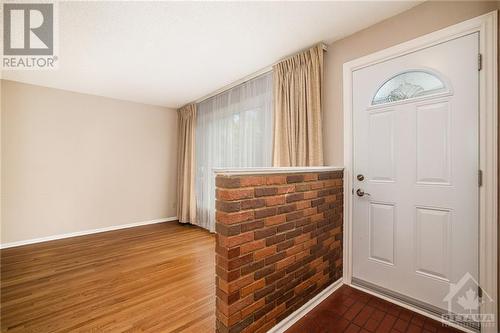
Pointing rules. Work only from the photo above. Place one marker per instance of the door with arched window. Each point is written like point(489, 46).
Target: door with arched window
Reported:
point(416, 160)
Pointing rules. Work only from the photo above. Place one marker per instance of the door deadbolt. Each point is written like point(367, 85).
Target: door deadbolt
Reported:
point(360, 177)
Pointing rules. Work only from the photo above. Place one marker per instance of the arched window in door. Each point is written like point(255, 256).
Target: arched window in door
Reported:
point(409, 84)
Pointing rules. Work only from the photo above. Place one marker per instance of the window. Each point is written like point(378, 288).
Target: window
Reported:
point(408, 85)
point(234, 129)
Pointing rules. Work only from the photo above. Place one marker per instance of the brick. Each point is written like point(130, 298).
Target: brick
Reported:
point(301, 287)
point(310, 195)
point(265, 212)
point(222, 262)
point(286, 189)
point(295, 179)
point(309, 211)
point(237, 194)
point(317, 202)
point(227, 206)
point(284, 245)
point(239, 283)
point(263, 292)
point(226, 252)
point(252, 203)
point(233, 218)
point(301, 255)
point(285, 263)
point(229, 299)
point(276, 311)
point(302, 187)
point(275, 239)
point(317, 217)
point(259, 284)
point(251, 225)
point(247, 181)
point(252, 308)
point(275, 276)
point(325, 175)
point(265, 328)
point(294, 197)
point(287, 208)
point(266, 191)
point(274, 258)
point(265, 252)
point(295, 215)
point(285, 226)
point(310, 177)
point(240, 261)
point(303, 205)
point(264, 233)
point(227, 230)
point(252, 246)
point(226, 275)
point(233, 241)
point(227, 182)
point(294, 233)
point(302, 222)
point(277, 219)
point(252, 267)
point(264, 272)
point(275, 201)
point(275, 180)
point(302, 238)
point(241, 325)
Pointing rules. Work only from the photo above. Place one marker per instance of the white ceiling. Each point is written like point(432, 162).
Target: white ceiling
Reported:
point(171, 53)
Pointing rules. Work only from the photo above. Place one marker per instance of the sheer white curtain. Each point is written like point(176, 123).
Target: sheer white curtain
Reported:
point(233, 129)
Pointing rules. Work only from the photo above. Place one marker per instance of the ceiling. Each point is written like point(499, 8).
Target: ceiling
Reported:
point(171, 53)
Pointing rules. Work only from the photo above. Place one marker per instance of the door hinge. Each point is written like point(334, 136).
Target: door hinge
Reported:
point(479, 61)
point(480, 177)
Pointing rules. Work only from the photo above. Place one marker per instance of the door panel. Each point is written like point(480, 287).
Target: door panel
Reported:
point(382, 232)
point(417, 230)
point(432, 242)
point(382, 146)
point(433, 144)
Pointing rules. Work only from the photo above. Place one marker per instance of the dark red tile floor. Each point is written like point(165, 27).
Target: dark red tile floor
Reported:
point(351, 310)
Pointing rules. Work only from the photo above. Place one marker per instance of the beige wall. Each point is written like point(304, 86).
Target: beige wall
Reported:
point(420, 20)
point(73, 162)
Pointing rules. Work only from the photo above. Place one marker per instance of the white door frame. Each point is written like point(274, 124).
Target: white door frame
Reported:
point(486, 25)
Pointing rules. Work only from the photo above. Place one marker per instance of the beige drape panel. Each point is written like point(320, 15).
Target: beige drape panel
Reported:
point(298, 83)
point(186, 199)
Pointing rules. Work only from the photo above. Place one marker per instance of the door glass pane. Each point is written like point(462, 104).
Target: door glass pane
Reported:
point(407, 85)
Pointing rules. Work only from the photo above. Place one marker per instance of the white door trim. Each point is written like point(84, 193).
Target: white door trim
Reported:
point(486, 25)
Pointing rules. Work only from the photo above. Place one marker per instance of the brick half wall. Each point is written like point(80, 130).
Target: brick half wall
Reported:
point(279, 244)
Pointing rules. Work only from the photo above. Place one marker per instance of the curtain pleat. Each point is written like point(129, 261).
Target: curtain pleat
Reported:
point(298, 85)
point(186, 199)
point(234, 130)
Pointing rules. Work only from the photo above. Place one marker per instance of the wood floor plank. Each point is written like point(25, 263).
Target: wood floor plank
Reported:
point(156, 278)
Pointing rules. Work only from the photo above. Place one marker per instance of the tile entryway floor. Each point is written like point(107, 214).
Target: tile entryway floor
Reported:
point(350, 310)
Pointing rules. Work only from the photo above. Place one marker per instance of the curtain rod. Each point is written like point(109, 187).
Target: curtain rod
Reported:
point(252, 76)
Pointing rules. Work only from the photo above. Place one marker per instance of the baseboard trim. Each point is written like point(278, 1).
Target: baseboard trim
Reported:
point(85, 232)
point(286, 323)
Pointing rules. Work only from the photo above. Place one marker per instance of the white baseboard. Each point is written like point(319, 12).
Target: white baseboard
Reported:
point(85, 232)
point(286, 323)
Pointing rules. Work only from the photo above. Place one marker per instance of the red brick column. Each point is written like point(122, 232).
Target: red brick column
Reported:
point(279, 243)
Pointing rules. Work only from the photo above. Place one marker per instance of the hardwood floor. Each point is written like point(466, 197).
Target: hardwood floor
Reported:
point(156, 278)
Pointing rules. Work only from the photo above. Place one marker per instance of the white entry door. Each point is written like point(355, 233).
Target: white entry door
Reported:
point(416, 158)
